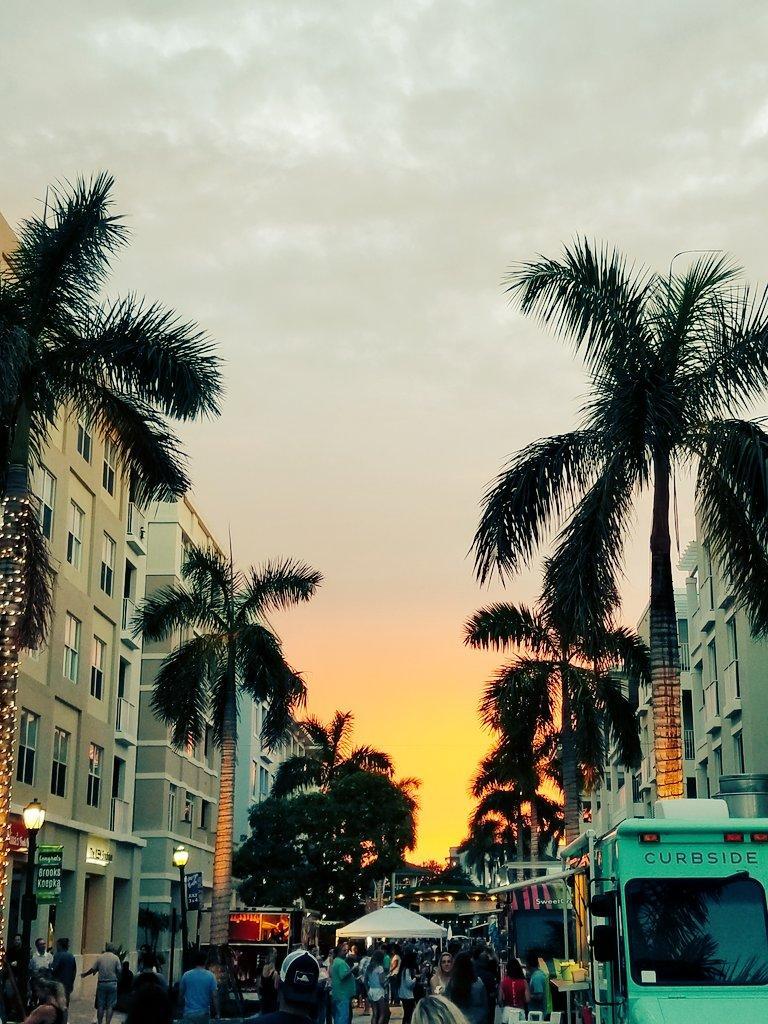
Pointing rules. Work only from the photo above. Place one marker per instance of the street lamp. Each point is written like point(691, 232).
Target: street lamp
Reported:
point(180, 858)
point(34, 816)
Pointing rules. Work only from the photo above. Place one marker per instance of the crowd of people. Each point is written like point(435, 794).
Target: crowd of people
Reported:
point(471, 979)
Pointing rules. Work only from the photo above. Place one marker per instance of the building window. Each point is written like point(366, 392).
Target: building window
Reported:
point(71, 647)
point(205, 813)
point(108, 469)
point(107, 581)
point(189, 808)
point(263, 782)
point(98, 662)
point(254, 779)
point(207, 744)
point(733, 655)
point(95, 762)
point(75, 535)
point(59, 763)
point(28, 727)
point(172, 790)
point(718, 756)
point(738, 753)
point(84, 440)
point(47, 501)
point(690, 788)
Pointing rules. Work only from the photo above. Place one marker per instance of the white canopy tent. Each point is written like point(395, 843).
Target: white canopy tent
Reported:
point(392, 922)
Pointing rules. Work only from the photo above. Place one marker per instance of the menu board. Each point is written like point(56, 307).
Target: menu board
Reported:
point(258, 926)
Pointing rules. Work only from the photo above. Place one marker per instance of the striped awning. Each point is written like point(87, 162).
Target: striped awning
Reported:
point(540, 896)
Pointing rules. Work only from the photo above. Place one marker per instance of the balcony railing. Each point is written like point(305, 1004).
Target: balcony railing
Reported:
point(120, 815)
point(689, 744)
point(685, 658)
point(129, 611)
point(136, 533)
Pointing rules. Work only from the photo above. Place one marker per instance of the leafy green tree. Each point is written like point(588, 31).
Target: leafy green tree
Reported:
point(125, 367)
point(327, 847)
point(330, 756)
point(555, 685)
point(230, 649)
point(672, 358)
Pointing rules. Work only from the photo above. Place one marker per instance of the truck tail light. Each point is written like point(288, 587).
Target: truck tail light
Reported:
point(734, 837)
point(650, 837)
point(759, 837)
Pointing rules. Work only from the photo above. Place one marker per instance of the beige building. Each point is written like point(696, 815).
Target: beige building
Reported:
point(76, 736)
point(176, 790)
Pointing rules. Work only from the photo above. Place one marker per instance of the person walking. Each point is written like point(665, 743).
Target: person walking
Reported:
point(342, 986)
point(538, 982)
point(513, 990)
point(466, 990)
point(376, 985)
point(441, 977)
point(396, 960)
point(199, 991)
point(407, 978)
point(64, 967)
point(107, 967)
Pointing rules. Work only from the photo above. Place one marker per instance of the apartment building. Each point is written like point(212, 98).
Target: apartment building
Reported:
point(76, 736)
point(724, 700)
point(257, 766)
point(176, 790)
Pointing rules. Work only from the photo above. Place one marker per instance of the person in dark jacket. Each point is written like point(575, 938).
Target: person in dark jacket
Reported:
point(64, 967)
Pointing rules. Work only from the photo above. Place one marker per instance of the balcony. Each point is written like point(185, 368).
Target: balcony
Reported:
point(120, 815)
point(712, 720)
point(732, 702)
point(708, 603)
point(136, 533)
point(637, 795)
point(124, 729)
point(689, 744)
point(643, 700)
point(127, 637)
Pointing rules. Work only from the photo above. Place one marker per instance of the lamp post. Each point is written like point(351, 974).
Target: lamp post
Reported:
point(34, 816)
point(180, 858)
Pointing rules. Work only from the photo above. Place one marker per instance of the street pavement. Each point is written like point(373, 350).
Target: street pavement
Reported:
point(81, 1011)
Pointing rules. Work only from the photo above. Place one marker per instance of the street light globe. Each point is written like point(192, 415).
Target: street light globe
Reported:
point(34, 816)
point(180, 857)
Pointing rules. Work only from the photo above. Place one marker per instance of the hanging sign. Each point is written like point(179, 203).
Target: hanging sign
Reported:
point(49, 859)
point(194, 883)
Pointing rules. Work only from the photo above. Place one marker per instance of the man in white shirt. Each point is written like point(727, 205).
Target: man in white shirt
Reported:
point(107, 966)
point(40, 960)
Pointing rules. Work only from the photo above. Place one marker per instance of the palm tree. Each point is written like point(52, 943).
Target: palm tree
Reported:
point(124, 367)
point(672, 358)
point(330, 756)
point(522, 760)
point(511, 812)
point(231, 650)
point(556, 683)
point(482, 849)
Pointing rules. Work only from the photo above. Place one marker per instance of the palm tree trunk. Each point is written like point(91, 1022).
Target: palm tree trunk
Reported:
point(665, 656)
point(221, 895)
point(534, 820)
point(15, 508)
point(570, 766)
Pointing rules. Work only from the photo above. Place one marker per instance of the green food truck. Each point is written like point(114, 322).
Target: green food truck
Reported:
point(677, 927)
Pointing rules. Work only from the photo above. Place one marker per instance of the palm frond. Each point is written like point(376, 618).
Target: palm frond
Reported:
point(182, 687)
point(581, 579)
point(39, 578)
point(503, 625)
point(277, 585)
point(266, 676)
point(150, 353)
point(534, 490)
point(294, 774)
point(732, 498)
point(368, 759)
point(590, 294)
point(624, 649)
point(173, 608)
point(210, 572)
point(619, 716)
point(339, 734)
point(523, 687)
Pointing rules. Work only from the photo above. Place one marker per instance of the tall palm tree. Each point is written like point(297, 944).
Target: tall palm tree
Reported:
point(232, 649)
point(521, 822)
point(556, 683)
point(482, 849)
point(330, 756)
point(125, 367)
point(672, 359)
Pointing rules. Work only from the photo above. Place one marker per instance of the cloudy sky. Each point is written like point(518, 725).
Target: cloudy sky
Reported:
point(334, 189)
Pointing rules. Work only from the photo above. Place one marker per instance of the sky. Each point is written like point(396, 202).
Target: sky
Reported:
point(335, 189)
